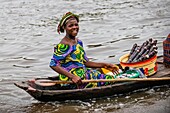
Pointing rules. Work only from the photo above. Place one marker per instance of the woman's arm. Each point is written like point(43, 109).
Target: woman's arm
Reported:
point(108, 66)
point(59, 69)
point(91, 64)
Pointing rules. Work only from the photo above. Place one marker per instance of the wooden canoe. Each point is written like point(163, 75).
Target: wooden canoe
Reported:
point(52, 93)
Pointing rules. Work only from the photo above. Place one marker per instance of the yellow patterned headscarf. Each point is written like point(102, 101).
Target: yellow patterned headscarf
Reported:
point(64, 19)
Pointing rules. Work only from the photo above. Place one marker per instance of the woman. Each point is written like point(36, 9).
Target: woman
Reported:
point(70, 60)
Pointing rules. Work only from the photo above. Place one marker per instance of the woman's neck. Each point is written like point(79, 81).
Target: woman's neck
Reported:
point(70, 37)
point(71, 40)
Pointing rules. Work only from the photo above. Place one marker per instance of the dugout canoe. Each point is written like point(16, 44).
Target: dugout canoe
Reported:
point(52, 93)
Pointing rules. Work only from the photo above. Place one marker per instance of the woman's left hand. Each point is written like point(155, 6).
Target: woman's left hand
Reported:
point(112, 67)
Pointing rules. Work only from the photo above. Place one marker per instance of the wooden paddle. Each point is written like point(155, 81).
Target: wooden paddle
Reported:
point(109, 80)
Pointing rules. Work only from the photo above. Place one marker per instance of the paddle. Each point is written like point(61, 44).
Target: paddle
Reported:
point(109, 80)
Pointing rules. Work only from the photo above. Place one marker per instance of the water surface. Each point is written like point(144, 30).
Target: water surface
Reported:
point(108, 29)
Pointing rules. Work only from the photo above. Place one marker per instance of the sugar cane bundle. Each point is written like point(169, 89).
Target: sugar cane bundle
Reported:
point(145, 51)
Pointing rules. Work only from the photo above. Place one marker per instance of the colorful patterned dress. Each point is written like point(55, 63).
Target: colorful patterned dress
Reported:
point(72, 59)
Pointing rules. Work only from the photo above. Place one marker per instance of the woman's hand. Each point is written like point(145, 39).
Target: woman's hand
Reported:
point(112, 67)
point(76, 80)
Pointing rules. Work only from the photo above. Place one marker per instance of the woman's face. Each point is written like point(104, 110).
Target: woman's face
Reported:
point(72, 27)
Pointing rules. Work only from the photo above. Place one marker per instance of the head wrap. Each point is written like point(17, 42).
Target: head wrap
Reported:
point(64, 19)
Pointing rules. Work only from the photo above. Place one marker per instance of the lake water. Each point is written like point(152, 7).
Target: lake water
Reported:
point(108, 29)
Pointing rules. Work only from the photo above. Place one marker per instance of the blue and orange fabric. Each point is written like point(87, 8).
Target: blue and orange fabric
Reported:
point(72, 59)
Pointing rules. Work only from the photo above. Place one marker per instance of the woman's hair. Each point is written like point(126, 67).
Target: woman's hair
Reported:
point(63, 20)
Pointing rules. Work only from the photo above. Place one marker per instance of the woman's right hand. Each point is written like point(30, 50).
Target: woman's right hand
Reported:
point(76, 80)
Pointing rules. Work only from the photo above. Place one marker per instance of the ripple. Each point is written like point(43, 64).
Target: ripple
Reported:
point(19, 58)
point(128, 37)
point(96, 45)
point(22, 66)
point(113, 41)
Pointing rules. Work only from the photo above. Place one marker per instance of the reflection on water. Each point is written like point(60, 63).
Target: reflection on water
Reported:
point(141, 98)
point(108, 29)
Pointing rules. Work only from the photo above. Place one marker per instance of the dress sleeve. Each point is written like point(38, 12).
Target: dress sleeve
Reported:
point(60, 52)
point(85, 56)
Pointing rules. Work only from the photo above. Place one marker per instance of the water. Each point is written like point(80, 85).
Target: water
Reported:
point(108, 29)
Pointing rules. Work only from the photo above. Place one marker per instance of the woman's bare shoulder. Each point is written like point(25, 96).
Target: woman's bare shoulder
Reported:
point(65, 42)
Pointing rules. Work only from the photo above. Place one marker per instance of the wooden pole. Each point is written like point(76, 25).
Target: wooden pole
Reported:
point(110, 80)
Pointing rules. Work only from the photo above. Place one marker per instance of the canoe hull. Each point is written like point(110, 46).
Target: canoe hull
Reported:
point(52, 94)
point(83, 94)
